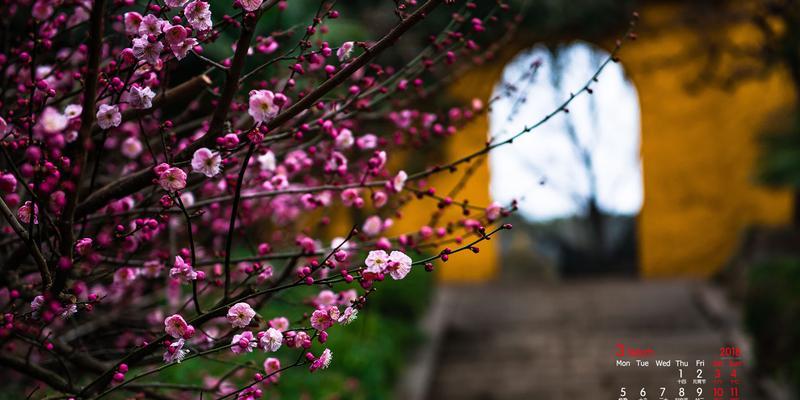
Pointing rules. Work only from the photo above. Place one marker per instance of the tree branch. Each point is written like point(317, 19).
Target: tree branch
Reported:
point(87, 120)
point(34, 371)
point(141, 179)
point(47, 280)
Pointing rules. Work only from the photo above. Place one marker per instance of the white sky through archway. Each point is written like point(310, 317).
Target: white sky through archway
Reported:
point(543, 169)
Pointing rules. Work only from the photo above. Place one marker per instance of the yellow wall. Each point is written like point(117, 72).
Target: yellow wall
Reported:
point(698, 152)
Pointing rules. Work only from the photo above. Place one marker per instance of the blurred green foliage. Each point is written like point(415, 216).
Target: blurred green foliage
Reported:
point(779, 164)
point(772, 315)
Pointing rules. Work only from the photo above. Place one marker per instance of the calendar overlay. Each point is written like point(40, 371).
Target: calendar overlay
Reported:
point(719, 378)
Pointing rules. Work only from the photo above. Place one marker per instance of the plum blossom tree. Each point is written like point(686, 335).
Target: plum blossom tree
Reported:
point(135, 198)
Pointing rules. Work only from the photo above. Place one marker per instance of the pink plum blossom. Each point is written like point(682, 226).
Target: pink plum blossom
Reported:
point(83, 246)
point(493, 211)
point(175, 35)
point(26, 211)
point(244, 342)
point(251, 5)
point(8, 183)
point(323, 318)
point(172, 179)
point(272, 367)
point(372, 226)
point(177, 327)
point(131, 147)
point(132, 21)
point(182, 270)
point(240, 315)
point(198, 13)
point(262, 105)
point(279, 323)
point(270, 340)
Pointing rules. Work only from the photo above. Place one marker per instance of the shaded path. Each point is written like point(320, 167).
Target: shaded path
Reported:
point(553, 342)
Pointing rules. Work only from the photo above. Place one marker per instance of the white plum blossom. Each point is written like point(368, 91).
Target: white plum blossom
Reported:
point(345, 140)
point(180, 50)
point(175, 352)
point(68, 311)
point(399, 265)
point(270, 340)
point(376, 261)
point(399, 181)
point(73, 110)
point(141, 97)
point(144, 49)
point(266, 161)
point(323, 361)
point(150, 25)
point(344, 51)
point(348, 316)
point(206, 162)
point(37, 303)
point(108, 116)
point(53, 121)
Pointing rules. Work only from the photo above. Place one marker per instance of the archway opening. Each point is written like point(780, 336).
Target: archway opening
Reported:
point(577, 178)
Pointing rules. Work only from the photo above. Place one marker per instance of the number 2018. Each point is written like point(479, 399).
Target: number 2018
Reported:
point(730, 351)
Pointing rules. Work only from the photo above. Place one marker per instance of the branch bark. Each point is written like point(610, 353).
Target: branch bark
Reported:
point(87, 120)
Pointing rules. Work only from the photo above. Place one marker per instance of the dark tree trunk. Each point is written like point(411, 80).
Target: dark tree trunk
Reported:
point(598, 235)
